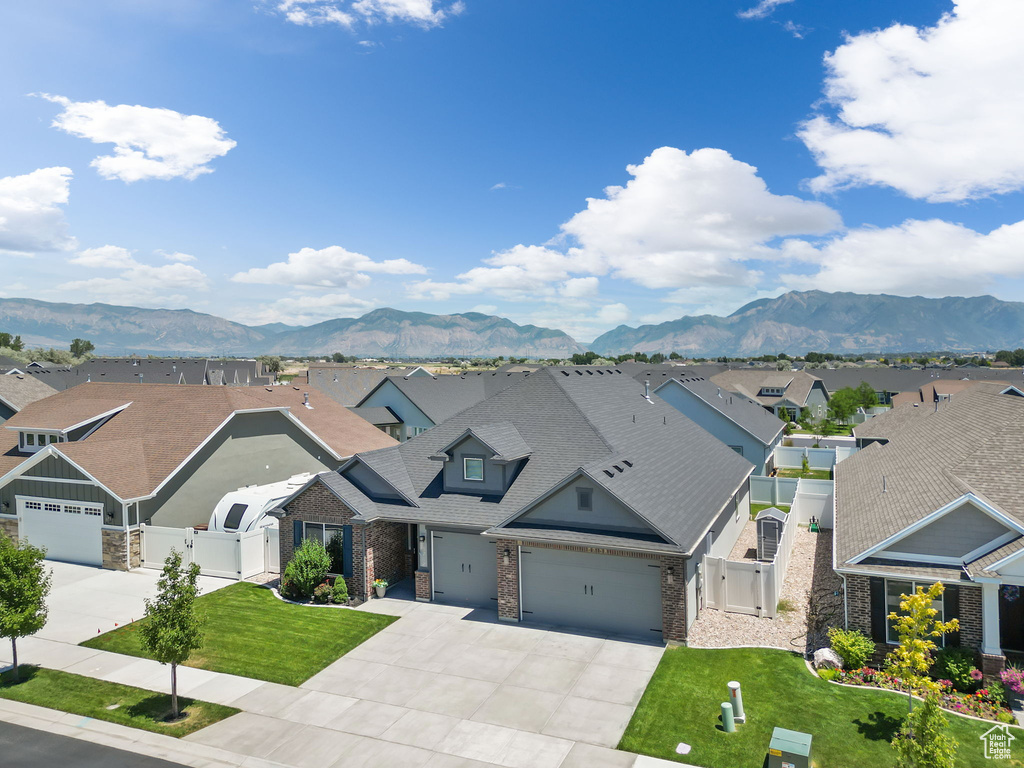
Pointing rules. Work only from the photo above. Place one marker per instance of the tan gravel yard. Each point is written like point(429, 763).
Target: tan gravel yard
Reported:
point(810, 588)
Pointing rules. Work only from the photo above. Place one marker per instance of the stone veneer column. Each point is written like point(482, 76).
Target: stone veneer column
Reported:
point(9, 528)
point(673, 599)
point(114, 550)
point(508, 580)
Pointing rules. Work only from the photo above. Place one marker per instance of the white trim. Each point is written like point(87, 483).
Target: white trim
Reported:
point(465, 471)
point(918, 558)
point(991, 546)
point(967, 498)
point(1006, 560)
point(769, 444)
point(38, 456)
point(66, 481)
point(908, 577)
point(65, 430)
point(1014, 389)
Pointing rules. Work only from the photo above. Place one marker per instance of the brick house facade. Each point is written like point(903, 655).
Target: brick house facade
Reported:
point(379, 548)
point(858, 607)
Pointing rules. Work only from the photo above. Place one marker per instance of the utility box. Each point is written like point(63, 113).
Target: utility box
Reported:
point(789, 749)
point(769, 524)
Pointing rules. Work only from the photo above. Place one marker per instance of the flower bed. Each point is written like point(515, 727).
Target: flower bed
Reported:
point(986, 703)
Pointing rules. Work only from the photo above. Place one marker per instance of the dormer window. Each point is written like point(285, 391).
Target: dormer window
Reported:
point(772, 391)
point(473, 468)
point(33, 442)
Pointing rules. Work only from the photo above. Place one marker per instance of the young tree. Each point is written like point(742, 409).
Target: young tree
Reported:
point(843, 404)
point(917, 628)
point(171, 630)
point(923, 741)
point(866, 396)
point(24, 585)
point(81, 347)
point(271, 362)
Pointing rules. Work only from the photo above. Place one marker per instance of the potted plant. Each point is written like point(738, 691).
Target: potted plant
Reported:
point(380, 586)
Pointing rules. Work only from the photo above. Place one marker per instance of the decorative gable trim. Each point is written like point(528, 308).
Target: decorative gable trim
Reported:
point(968, 498)
point(39, 456)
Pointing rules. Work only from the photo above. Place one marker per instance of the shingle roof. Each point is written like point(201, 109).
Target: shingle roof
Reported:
point(17, 391)
point(348, 385)
point(502, 438)
point(797, 384)
point(441, 397)
point(143, 444)
point(969, 444)
point(161, 370)
point(673, 473)
point(376, 414)
point(744, 412)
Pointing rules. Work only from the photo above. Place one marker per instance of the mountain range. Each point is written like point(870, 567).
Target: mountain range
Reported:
point(796, 322)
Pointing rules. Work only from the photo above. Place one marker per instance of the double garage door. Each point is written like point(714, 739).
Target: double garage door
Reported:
point(603, 593)
point(69, 530)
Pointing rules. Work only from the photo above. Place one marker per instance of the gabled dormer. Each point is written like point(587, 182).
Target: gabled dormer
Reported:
point(73, 423)
point(483, 460)
point(381, 476)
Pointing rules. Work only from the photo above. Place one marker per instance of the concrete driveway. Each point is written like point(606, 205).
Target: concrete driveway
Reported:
point(448, 686)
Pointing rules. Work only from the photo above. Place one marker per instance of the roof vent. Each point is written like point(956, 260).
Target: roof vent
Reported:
point(627, 462)
point(617, 468)
point(609, 473)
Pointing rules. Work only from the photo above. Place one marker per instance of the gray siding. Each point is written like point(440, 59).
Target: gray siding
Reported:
point(495, 475)
point(369, 482)
point(26, 486)
point(952, 535)
point(54, 466)
point(724, 533)
point(391, 396)
point(6, 413)
point(608, 514)
point(254, 448)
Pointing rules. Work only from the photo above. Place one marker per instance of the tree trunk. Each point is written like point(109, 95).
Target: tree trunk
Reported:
point(14, 650)
point(174, 691)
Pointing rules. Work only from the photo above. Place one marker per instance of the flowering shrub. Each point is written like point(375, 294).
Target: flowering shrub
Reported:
point(987, 703)
point(1013, 678)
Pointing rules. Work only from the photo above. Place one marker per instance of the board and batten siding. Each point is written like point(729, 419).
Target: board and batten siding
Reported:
point(34, 483)
point(253, 449)
point(390, 396)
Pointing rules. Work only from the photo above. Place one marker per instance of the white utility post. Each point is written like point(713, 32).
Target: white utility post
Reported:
point(990, 621)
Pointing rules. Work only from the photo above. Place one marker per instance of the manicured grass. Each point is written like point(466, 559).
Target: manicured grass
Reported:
point(844, 430)
point(850, 727)
point(89, 697)
point(756, 509)
point(250, 632)
point(807, 474)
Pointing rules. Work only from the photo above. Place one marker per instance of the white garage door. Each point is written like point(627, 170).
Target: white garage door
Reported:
point(69, 530)
point(604, 593)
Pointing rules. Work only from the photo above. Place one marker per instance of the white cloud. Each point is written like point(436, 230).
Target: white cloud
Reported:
point(177, 256)
point(937, 112)
point(331, 267)
point(105, 257)
point(763, 9)
point(31, 218)
point(691, 219)
point(346, 13)
point(579, 287)
point(930, 258)
point(148, 143)
point(484, 309)
point(307, 310)
point(613, 314)
point(499, 185)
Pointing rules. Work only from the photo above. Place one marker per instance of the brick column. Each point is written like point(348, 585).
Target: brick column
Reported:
point(673, 599)
point(992, 665)
point(508, 580)
point(423, 586)
point(970, 617)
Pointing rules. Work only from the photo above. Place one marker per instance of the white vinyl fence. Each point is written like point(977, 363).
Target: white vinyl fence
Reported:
point(749, 586)
point(772, 490)
point(792, 457)
point(814, 498)
point(231, 555)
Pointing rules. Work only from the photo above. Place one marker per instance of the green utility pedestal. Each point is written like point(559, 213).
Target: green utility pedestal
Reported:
point(789, 749)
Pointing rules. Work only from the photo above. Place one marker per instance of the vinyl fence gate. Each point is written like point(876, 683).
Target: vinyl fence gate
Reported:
point(229, 555)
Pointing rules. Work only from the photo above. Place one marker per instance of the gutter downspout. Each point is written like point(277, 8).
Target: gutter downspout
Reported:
point(127, 537)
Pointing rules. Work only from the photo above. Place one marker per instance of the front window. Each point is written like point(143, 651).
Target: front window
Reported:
point(333, 540)
point(472, 469)
point(894, 590)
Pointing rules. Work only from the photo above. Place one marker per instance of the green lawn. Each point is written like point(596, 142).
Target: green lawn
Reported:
point(807, 474)
point(851, 727)
point(250, 632)
point(755, 509)
point(87, 696)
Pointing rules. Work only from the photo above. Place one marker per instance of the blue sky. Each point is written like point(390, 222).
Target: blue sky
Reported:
point(571, 164)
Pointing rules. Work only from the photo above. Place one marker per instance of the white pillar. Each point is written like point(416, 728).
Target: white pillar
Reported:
point(990, 619)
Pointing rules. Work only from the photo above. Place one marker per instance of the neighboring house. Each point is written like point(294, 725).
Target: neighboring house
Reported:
point(739, 422)
point(18, 390)
point(421, 402)
point(568, 498)
point(935, 496)
point(189, 370)
point(890, 383)
point(348, 384)
point(80, 470)
point(936, 391)
point(783, 393)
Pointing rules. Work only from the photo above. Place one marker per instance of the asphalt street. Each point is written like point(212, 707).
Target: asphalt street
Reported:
point(22, 747)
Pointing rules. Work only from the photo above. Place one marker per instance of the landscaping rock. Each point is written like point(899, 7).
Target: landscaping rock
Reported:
point(826, 658)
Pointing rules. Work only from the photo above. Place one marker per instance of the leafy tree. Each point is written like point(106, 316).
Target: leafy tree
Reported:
point(675, 356)
point(24, 585)
point(81, 347)
point(843, 404)
point(917, 628)
point(337, 357)
point(586, 358)
point(271, 362)
point(657, 358)
point(923, 740)
point(866, 396)
point(172, 630)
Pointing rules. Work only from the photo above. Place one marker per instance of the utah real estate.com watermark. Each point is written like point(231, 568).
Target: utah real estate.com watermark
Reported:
point(997, 742)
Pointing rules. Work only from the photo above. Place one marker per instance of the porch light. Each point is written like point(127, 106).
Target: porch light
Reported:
point(505, 558)
point(670, 572)
point(422, 538)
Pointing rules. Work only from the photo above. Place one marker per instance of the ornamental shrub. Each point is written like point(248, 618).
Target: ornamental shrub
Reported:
point(306, 570)
point(1013, 678)
point(956, 665)
point(340, 591)
point(853, 647)
point(323, 593)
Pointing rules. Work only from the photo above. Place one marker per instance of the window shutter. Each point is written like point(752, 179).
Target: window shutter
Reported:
point(951, 609)
point(346, 551)
point(296, 534)
point(878, 613)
